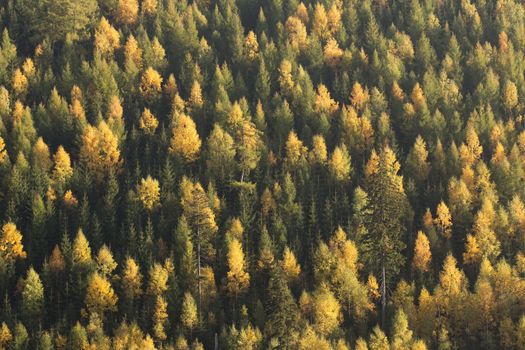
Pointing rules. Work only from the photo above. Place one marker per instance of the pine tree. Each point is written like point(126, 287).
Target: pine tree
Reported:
point(382, 243)
point(282, 311)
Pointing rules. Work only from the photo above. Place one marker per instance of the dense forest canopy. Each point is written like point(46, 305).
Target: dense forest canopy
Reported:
point(262, 174)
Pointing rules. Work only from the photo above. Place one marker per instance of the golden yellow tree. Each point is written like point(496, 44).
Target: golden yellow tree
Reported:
point(19, 82)
point(295, 151)
point(443, 220)
point(324, 102)
point(132, 52)
point(11, 247)
point(320, 21)
point(326, 311)
point(149, 193)
point(185, 141)
point(149, 7)
point(127, 11)
point(100, 296)
point(107, 38)
point(422, 253)
point(290, 266)
point(189, 316)
point(339, 164)
point(131, 279)
point(62, 170)
point(237, 278)
point(3, 152)
point(147, 122)
point(81, 251)
point(296, 30)
point(251, 47)
point(332, 53)
point(99, 151)
point(150, 84)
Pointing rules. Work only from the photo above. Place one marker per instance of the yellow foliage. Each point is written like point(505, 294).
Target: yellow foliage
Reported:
point(70, 201)
point(41, 157)
point(160, 316)
point(510, 95)
point(443, 220)
point(158, 279)
point(3, 152)
point(11, 246)
point(327, 311)
point(107, 38)
point(5, 336)
point(332, 53)
point(334, 18)
point(149, 193)
point(105, 262)
point(149, 6)
point(189, 316)
point(238, 279)
point(297, 35)
point(19, 82)
point(319, 153)
point(62, 170)
point(131, 279)
point(289, 265)
point(320, 22)
point(150, 84)
point(127, 11)
point(28, 68)
point(295, 151)
point(324, 102)
point(312, 341)
point(196, 101)
point(147, 122)
point(185, 141)
point(81, 252)
point(359, 96)
point(132, 52)
point(251, 46)
point(285, 77)
point(100, 296)
point(340, 164)
point(99, 150)
point(422, 253)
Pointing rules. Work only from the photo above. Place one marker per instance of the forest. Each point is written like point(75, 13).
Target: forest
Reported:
point(262, 174)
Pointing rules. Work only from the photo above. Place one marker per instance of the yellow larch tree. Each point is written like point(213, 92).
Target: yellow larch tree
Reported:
point(147, 122)
point(100, 296)
point(238, 280)
point(185, 141)
point(320, 21)
point(149, 7)
point(149, 193)
point(295, 151)
point(319, 153)
point(127, 11)
point(132, 52)
point(324, 102)
point(11, 247)
point(340, 165)
point(107, 38)
point(62, 170)
point(131, 279)
point(422, 254)
point(4, 157)
point(443, 220)
point(290, 266)
point(359, 96)
point(251, 47)
point(19, 82)
point(326, 311)
point(99, 151)
point(81, 251)
point(150, 84)
point(297, 34)
point(332, 53)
